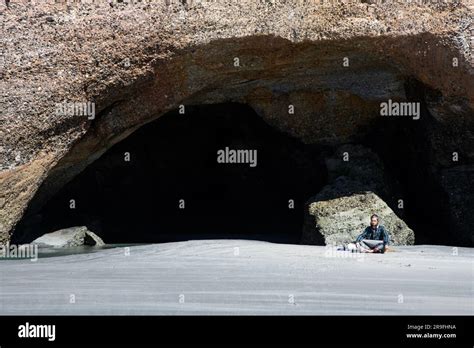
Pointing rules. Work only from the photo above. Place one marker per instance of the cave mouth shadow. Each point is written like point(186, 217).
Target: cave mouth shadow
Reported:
point(163, 183)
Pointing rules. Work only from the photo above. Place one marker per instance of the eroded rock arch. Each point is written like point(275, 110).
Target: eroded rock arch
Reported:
point(334, 104)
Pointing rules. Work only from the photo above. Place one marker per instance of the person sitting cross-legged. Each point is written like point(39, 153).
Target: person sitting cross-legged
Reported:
point(374, 239)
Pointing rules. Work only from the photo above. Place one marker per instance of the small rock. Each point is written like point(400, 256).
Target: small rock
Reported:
point(69, 237)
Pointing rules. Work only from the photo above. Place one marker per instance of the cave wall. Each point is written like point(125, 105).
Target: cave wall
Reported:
point(136, 62)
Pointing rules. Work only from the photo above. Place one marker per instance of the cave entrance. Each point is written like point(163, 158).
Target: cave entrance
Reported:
point(164, 182)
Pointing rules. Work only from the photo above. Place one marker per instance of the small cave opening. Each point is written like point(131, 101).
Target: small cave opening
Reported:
point(165, 182)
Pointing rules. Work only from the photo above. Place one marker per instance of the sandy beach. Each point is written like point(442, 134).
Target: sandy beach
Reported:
point(241, 277)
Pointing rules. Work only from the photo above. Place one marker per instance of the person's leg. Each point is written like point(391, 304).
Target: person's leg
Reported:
point(363, 247)
point(370, 246)
point(370, 243)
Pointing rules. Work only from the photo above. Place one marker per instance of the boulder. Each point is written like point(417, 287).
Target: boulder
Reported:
point(358, 187)
point(342, 219)
point(69, 237)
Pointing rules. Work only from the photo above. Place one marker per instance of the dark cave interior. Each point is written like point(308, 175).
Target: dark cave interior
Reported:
point(163, 183)
point(174, 158)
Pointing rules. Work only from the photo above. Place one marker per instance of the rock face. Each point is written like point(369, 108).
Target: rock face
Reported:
point(356, 168)
point(340, 212)
point(458, 184)
point(341, 220)
point(69, 237)
point(334, 63)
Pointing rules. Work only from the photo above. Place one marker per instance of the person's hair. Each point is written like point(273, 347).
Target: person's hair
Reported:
point(374, 216)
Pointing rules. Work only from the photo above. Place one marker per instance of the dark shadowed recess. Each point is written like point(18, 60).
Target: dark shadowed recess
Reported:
point(175, 158)
point(404, 147)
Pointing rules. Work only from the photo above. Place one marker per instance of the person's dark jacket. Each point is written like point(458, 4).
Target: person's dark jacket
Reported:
point(378, 234)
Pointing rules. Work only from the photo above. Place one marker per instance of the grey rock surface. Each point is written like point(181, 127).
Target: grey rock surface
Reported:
point(69, 237)
point(341, 220)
